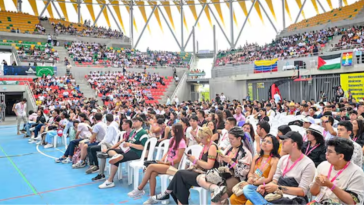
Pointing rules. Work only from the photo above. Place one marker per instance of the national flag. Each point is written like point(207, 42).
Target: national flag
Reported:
point(329, 62)
point(347, 59)
point(264, 66)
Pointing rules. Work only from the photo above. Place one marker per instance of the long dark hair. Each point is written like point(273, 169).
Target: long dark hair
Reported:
point(178, 136)
point(228, 113)
point(274, 152)
point(252, 135)
point(220, 118)
point(360, 132)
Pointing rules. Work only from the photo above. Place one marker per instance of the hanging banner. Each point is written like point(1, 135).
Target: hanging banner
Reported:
point(347, 59)
point(250, 90)
point(19, 70)
point(353, 82)
point(260, 85)
point(9, 82)
point(44, 70)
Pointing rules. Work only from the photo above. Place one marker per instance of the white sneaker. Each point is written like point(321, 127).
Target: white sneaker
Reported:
point(38, 138)
point(136, 193)
point(66, 161)
point(31, 139)
point(48, 146)
point(32, 142)
point(79, 164)
point(150, 201)
point(106, 184)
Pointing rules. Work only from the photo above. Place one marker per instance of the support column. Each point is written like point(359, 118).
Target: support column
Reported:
point(232, 45)
point(323, 9)
point(145, 26)
point(55, 8)
point(283, 15)
point(299, 13)
point(340, 3)
point(131, 25)
point(182, 41)
point(193, 39)
point(214, 40)
point(20, 2)
point(98, 16)
point(45, 7)
point(79, 11)
point(112, 15)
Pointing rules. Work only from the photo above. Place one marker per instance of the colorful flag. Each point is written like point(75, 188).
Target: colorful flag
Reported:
point(347, 59)
point(264, 66)
point(329, 62)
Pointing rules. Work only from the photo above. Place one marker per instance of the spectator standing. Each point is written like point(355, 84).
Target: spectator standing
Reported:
point(20, 112)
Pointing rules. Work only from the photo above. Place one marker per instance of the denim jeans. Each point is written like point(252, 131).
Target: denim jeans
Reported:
point(250, 193)
point(71, 147)
point(28, 126)
point(49, 137)
point(37, 129)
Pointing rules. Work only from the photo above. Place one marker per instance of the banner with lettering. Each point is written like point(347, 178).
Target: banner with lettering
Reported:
point(353, 82)
point(19, 70)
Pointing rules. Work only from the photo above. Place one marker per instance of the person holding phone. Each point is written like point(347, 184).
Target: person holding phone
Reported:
point(183, 180)
point(237, 159)
point(262, 168)
point(172, 158)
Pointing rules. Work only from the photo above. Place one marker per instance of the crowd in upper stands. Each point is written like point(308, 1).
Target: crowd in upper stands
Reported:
point(294, 46)
point(96, 53)
point(87, 30)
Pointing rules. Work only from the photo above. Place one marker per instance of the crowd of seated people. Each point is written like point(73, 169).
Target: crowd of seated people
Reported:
point(85, 30)
point(37, 53)
point(127, 86)
point(351, 37)
point(297, 45)
point(249, 151)
point(87, 53)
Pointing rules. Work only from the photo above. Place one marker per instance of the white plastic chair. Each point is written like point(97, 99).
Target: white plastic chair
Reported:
point(136, 165)
point(64, 140)
point(162, 149)
point(299, 129)
point(195, 151)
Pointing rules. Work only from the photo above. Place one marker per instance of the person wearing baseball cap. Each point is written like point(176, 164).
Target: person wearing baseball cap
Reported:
point(315, 147)
point(295, 172)
point(282, 130)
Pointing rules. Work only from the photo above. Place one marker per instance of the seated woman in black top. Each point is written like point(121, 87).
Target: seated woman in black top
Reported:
point(315, 147)
point(263, 115)
point(183, 180)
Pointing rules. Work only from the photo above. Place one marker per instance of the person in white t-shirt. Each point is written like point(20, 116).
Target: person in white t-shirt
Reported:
point(83, 134)
point(222, 97)
point(192, 132)
point(98, 134)
point(338, 180)
point(224, 141)
point(277, 98)
point(20, 112)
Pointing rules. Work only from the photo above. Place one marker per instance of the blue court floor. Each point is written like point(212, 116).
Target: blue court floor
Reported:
point(29, 175)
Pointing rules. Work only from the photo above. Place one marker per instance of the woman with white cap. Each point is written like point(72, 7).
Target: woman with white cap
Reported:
point(314, 147)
